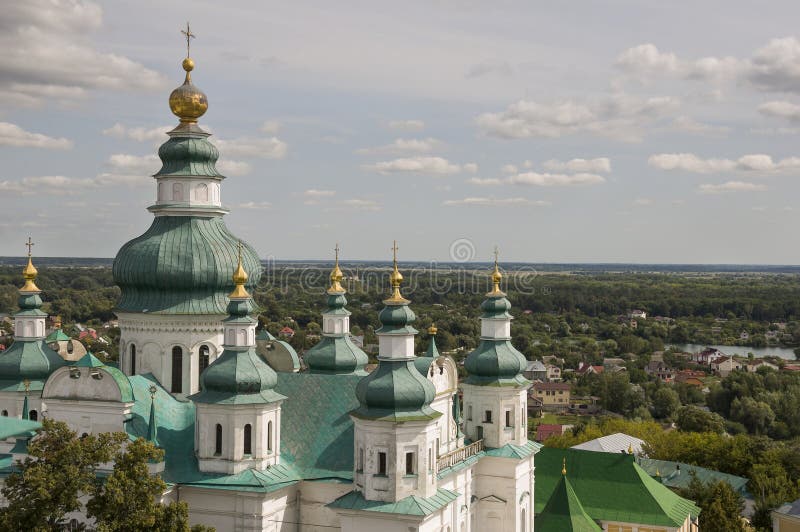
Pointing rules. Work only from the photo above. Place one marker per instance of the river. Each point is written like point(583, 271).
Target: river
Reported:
point(759, 352)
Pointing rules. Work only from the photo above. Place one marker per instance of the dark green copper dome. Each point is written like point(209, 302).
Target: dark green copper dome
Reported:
point(395, 391)
point(182, 265)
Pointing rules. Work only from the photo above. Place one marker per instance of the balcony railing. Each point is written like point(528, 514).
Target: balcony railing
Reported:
point(459, 455)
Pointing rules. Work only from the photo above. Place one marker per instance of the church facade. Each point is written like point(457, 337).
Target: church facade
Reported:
point(251, 442)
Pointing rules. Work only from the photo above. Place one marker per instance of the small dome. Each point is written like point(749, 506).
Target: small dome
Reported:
point(187, 102)
point(496, 307)
point(33, 360)
point(336, 355)
point(495, 362)
point(238, 377)
point(188, 155)
point(395, 391)
point(395, 317)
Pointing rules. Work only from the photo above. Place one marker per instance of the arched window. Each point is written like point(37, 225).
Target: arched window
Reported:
point(33, 415)
point(248, 439)
point(177, 369)
point(177, 192)
point(269, 436)
point(133, 359)
point(5, 413)
point(202, 192)
point(203, 361)
point(218, 439)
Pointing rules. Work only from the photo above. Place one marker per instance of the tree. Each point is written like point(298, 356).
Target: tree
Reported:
point(757, 416)
point(58, 469)
point(693, 419)
point(665, 402)
point(128, 499)
point(720, 505)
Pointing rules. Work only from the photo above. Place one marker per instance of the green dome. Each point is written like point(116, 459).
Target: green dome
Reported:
point(396, 319)
point(238, 377)
point(188, 156)
point(336, 354)
point(497, 363)
point(496, 307)
point(32, 360)
point(182, 265)
point(395, 391)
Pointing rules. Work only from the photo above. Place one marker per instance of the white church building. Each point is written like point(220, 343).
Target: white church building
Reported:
point(251, 443)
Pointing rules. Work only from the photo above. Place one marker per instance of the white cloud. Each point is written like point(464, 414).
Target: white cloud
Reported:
point(509, 169)
point(487, 181)
point(600, 164)
point(731, 186)
point(315, 196)
point(642, 202)
point(13, 135)
point(407, 125)
point(495, 202)
point(265, 148)
point(690, 125)
point(781, 109)
point(232, 168)
point(271, 127)
point(140, 134)
point(361, 204)
point(255, 205)
point(48, 56)
point(400, 146)
point(420, 165)
point(752, 163)
point(620, 117)
point(555, 180)
point(139, 164)
point(774, 67)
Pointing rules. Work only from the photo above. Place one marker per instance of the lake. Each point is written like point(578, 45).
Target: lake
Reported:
point(759, 352)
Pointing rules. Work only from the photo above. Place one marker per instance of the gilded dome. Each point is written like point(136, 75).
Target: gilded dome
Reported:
point(187, 101)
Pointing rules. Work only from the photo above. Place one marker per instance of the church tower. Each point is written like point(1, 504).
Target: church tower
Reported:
point(26, 365)
point(495, 392)
point(395, 426)
point(174, 278)
point(336, 353)
point(238, 411)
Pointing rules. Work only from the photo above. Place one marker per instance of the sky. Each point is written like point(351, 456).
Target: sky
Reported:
point(605, 131)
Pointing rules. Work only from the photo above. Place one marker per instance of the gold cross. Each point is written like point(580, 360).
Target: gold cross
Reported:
point(496, 255)
point(240, 251)
point(394, 250)
point(336, 249)
point(29, 244)
point(189, 35)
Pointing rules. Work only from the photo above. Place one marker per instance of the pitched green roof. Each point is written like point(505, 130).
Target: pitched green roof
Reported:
point(57, 336)
point(267, 480)
point(88, 361)
point(12, 426)
point(679, 475)
point(564, 512)
point(413, 505)
point(518, 452)
point(320, 405)
point(611, 487)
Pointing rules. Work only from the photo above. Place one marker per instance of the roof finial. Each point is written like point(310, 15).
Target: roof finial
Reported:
point(336, 276)
point(30, 272)
point(432, 330)
point(187, 101)
point(496, 275)
point(189, 36)
point(564, 466)
point(396, 279)
point(630, 448)
point(239, 279)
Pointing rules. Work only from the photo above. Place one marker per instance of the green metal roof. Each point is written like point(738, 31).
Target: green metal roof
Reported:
point(123, 382)
point(495, 363)
point(267, 480)
point(28, 359)
point(413, 505)
point(396, 319)
point(611, 487)
point(238, 377)
point(12, 426)
point(496, 307)
point(518, 452)
point(188, 155)
point(316, 428)
point(57, 336)
point(336, 354)
point(564, 512)
point(182, 265)
point(679, 475)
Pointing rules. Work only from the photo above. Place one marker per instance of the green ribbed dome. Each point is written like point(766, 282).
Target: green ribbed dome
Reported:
point(238, 377)
point(188, 156)
point(496, 307)
point(396, 319)
point(182, 265)
point(495, 362)
point(395, 391)
point(32, 360)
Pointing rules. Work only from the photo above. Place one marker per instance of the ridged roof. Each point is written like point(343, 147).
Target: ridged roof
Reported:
point(182, 265)
point(564, 512)
point(336, 354)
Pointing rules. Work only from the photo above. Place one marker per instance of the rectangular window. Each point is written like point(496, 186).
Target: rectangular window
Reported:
point(487, 416)
point(469, 413)
point(410, 463)
point(361, 460)
point(508, 418)
point(382, 463)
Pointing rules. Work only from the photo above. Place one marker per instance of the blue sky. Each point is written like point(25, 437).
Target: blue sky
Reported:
point(613, 131)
